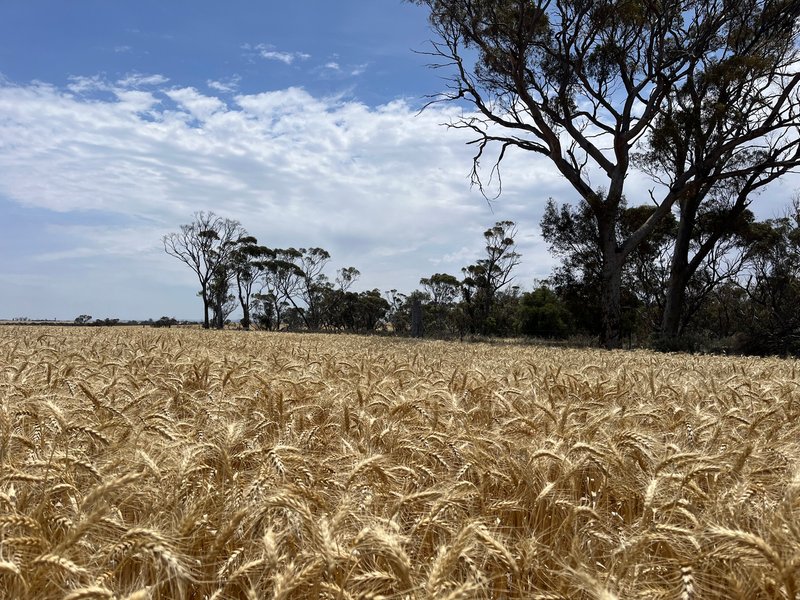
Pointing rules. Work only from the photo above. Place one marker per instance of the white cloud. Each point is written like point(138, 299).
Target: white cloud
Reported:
point(358, 70)
point(199, 106)
point(138, 80)
point(225, 86)
point(465, 255)
point(81, 84)
point(382, 188)
point(269, 52)
point(334, 69)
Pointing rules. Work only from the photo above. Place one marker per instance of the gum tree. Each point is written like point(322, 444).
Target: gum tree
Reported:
point(204, 245)
point(602, 89)
point(484, 279)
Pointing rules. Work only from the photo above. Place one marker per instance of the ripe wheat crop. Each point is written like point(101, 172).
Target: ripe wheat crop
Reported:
point(138, 464)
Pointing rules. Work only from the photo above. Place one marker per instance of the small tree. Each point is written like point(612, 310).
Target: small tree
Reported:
point(282, 281)
point(443, 288)
point(222, 302)
point(312, 262)
point(165, 322)
point(544, 315)
point(443, 291)
point(371, 310)
point(484, 279)
point(83, 319)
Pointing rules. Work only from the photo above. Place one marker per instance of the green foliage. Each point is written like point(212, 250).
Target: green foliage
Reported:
point(773, 318)
point(484, 279)
point(700, 96)
point(165, 322)
point(543, 314)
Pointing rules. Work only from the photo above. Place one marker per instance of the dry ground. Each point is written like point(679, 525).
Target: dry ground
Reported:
point(148, 463)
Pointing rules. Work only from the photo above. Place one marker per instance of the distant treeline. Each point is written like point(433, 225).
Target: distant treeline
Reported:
point(288, 288)
point(742, 296)
point(88, 321)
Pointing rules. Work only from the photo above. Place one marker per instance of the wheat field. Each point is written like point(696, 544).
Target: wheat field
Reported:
point(189, 464)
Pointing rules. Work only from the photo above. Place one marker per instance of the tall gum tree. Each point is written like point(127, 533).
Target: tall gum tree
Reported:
point(247, 261)
point(589, 84)
point(204, 245)
point(484, 279)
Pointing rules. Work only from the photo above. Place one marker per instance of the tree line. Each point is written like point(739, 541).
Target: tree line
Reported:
point(741, 297)
point(288, 288)
point(699, 99)
point(275, 288)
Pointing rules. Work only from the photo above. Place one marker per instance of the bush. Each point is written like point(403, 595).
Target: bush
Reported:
point(165, 322)
point(543, 314)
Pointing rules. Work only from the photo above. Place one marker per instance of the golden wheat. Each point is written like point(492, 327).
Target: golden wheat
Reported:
point(138, 463)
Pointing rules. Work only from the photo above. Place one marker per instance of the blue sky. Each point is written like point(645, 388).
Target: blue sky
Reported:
point(119, 119)
point(194, 41)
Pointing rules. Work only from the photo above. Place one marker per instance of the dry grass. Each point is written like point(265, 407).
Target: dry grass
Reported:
point(188, 464)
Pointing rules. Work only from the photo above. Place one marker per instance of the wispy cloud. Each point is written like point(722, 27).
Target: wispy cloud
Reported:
point(284, 57)
point(226, 86)
point(358, 70)
point(80, 84)
point(335, 69)
point(140, 80)
point(270, 52)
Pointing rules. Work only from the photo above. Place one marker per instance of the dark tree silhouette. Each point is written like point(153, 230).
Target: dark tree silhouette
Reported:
point(247, 260)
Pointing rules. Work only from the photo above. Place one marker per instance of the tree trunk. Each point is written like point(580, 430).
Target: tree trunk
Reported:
point(611, 302)
point(679, 274)
point(206, 323)
point(245, 304)
point(246, 316)
point(674, 302)
point(610, 280)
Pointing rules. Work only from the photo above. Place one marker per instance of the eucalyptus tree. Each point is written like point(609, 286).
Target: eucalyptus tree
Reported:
point(313, 283)
point(248, 262)
point(487, 276)
point(571, 233)
point(221, 300)
point(281, 284)
point(604, 89)
point(442, 288)
point(204, 245)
